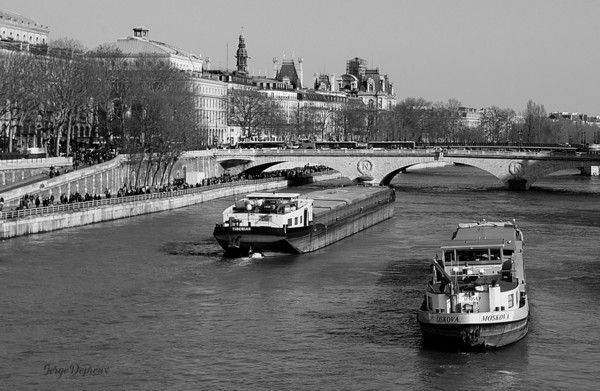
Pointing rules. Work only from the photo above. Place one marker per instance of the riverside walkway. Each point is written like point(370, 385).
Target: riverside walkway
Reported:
point(79, 206)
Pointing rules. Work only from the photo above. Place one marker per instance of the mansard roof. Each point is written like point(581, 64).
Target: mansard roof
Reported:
point(288, 69)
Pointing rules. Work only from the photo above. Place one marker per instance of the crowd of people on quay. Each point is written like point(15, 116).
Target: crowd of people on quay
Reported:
point(90, 157)
point(29, 201)
point(85, 158)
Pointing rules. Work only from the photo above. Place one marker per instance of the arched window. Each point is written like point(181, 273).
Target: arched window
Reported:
point(370, 85)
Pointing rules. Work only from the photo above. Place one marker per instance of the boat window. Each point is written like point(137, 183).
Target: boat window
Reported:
point(472, 255)
point(495, 254)
point(289, 222)
point(295, 220)
point(511, 300)
point(449, 256)
point(508, 253)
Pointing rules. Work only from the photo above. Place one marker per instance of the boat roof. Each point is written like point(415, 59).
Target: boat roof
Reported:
point(487, 224)
point(486, 230)
point(472, 244)
point(286, 196)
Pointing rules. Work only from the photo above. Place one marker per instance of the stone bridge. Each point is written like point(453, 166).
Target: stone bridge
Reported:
point(516, 169)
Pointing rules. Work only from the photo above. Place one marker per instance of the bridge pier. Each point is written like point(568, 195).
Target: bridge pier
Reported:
point(518, 184)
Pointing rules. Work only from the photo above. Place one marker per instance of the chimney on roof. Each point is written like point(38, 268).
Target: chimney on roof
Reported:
point(140, 32)
point(275, 60)
point(300, 61)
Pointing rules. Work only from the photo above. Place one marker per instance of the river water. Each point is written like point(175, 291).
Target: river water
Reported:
point(148, 303)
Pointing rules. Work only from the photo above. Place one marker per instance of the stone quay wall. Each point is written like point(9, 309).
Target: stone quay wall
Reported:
point(16, 170)
point(99, 178)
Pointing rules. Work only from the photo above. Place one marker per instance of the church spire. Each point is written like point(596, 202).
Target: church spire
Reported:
point(242, 55)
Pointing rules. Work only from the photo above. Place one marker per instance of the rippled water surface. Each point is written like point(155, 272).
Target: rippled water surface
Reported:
point(151, 299)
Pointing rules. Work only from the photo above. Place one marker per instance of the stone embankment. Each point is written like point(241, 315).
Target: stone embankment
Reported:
point(133, 206)
point(15, 171)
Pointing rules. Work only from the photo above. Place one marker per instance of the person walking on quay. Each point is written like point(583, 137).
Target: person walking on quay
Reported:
point(1, 203)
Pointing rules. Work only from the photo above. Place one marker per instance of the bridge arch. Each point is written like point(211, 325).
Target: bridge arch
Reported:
point(254, 167)
point(258, 168)
point(516, 169)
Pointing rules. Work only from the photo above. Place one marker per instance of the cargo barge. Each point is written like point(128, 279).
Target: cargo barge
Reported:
point(477, 296)
point(294, 223)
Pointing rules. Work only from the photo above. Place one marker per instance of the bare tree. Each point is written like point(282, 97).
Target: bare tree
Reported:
point(534, 116)
point(249, 110)
point(21, 77)
point(106, 71)
point(496, 124)
point(351, 120)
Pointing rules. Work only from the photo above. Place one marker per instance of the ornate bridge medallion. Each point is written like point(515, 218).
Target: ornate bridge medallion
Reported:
point(365, 166)
point(515, 168)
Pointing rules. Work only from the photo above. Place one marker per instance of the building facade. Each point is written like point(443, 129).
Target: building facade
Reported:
point(470, 117)
point(580, 118)
point(211, 106)
point(372, 86)
point(17, 28)
point(210, 92)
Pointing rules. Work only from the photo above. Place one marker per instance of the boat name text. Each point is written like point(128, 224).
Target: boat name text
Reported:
point(447, 319)
point(494, 317)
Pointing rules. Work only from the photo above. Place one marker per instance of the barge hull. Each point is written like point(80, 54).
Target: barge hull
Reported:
point(474, 336)
point(325, 234)
point(329, 227)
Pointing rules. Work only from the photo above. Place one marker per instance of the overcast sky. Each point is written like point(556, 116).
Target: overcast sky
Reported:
point(482, 53)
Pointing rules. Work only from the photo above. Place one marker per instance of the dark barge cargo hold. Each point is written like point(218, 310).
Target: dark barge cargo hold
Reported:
point(294, 223)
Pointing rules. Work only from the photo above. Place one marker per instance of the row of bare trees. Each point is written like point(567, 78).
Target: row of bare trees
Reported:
point(90, 100)
point(411, 119)
point(423, 121)
point(261, 116)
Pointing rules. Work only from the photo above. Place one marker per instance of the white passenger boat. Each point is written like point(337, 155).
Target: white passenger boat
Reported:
point(477, 296)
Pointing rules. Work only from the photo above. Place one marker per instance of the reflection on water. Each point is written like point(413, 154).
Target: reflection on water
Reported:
point(154, 299)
